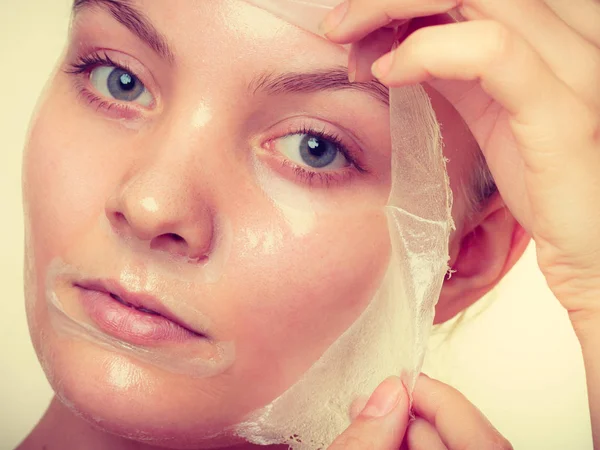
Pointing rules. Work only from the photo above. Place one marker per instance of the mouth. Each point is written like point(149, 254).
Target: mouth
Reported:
point(135, 318)
point(129, 305)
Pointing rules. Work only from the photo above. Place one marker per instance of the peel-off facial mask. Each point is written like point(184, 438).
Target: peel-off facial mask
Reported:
point(389, 338)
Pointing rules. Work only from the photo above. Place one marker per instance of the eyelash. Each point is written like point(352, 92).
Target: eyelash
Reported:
point(322, 178)
point(84, 65)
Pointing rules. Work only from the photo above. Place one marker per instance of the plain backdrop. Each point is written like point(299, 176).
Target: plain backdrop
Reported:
point(515, 356)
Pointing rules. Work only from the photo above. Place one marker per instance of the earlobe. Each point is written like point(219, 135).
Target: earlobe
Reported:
point(485, 250)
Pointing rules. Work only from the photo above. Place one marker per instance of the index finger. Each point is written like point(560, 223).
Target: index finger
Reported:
point(458, 422)
point(353, 20)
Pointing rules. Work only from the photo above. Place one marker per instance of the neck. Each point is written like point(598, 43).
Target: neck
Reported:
point(60, 428)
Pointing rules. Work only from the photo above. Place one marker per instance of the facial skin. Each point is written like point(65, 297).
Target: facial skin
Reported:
point(191, 172)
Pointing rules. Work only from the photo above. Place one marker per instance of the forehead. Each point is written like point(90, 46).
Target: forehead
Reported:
point(164, 25)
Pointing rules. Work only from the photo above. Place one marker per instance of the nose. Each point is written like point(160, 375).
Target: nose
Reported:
point(161, 209)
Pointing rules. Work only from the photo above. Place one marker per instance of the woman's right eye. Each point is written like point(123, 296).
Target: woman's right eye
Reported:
point(121, 85)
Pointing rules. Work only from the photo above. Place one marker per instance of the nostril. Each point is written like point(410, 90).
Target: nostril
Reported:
point(174, 244)
point(120, 218)
point(119, 223)
point(174, 237)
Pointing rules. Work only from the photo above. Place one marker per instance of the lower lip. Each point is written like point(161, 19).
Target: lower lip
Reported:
point(129, 324)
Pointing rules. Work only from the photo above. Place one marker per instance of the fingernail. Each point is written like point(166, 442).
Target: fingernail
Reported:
point(352, 67)
point(357, 406)
point(384, 399)
point(383, 66)
point(334, 18)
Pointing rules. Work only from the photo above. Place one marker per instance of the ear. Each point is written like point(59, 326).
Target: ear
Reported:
point(484, 251)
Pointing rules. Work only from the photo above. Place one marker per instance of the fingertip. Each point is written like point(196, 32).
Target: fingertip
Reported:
point(352, 63)
point(424, 383)
point(389, 395)
point(334, 19)
point(368, 50)
point(383, 421)
point(383, 66)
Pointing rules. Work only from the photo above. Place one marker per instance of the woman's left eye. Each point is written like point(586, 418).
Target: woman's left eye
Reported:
point(312, 151)
point(119, 84)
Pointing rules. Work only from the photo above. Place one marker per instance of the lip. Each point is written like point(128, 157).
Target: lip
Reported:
point(136, 318)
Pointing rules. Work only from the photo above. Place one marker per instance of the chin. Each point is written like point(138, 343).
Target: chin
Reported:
point(123, 397)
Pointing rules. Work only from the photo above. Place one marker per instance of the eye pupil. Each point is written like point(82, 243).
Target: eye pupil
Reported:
point(124, 86)
point(127, 82)
point(317, 152)
point(315, 146)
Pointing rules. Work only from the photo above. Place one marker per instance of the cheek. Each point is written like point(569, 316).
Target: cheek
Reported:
point(69, 171)
point(295, 295)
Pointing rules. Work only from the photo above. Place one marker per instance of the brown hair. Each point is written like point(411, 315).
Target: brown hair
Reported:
point(483, 185)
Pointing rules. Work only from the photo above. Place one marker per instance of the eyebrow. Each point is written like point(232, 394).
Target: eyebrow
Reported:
point(334, 79)
point(135, 21)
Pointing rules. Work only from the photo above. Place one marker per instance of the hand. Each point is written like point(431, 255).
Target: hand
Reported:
point(445, 420)
point(525, 76)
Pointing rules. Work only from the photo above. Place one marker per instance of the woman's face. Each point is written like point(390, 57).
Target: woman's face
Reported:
point(217, 170)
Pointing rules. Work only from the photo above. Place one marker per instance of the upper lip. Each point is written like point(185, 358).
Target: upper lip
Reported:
point(136, 300)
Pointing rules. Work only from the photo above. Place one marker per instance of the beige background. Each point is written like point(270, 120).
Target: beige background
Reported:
point(517, 358)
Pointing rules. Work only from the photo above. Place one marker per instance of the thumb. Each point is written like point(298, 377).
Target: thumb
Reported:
point(381, 425)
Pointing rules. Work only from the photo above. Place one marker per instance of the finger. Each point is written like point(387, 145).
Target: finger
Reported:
point(583, 16)
point(352, 20)
point(573, 59)
point(421, 435)
point(382, 423)
point(459, 424)
point(357, 406)
point(366, 51)
point(506, 66)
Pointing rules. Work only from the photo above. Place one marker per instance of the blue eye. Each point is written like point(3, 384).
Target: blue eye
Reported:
point(312, 151)
point(317, 152)
point(119, 84)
